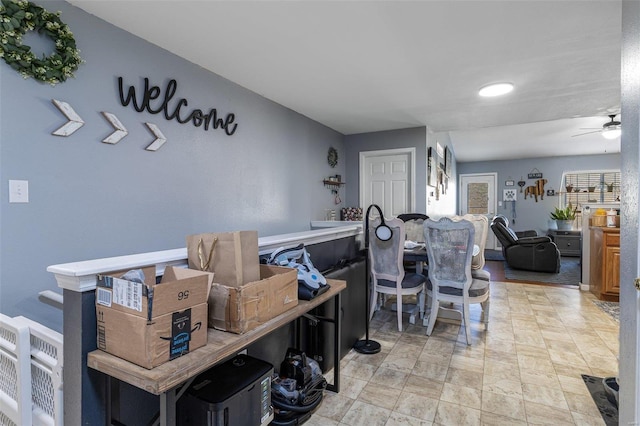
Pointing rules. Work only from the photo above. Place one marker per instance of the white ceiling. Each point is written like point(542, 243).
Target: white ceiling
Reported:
point(364, 66)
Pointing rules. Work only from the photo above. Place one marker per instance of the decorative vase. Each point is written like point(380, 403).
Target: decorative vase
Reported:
point(564, 225)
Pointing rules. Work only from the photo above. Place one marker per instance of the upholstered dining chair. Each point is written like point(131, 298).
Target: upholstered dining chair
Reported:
point(414, 226)
point(450, 251)
point(414, 232)
point(481, 226)
point(388, 276)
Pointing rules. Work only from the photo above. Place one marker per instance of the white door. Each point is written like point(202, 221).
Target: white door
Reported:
point(387, 179)
point(478, 196)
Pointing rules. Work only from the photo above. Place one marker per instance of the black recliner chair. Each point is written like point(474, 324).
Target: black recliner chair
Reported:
point(534, 253)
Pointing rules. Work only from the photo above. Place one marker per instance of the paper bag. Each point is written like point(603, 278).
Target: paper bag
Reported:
point(232, 256)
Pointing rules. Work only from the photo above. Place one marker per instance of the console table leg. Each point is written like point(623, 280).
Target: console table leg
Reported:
point(168, 408)
point(336, 343)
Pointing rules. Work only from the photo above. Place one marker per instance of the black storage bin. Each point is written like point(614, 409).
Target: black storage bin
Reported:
point(235, 393)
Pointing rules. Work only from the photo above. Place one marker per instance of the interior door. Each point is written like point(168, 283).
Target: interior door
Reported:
point(478, 196)
point(387, 179)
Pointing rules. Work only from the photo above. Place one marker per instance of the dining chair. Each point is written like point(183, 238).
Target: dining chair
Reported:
point(388, 274)
point(414, 233)
point(481, 226)
point(450, 251)
point(414, 226)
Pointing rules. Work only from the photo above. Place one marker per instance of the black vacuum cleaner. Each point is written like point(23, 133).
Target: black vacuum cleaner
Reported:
point(297, 390)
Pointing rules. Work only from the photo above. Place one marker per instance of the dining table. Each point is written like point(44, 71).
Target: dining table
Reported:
point(416, 252)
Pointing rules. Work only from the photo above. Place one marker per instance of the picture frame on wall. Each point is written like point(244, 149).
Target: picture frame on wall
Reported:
point(448, 161)
point(441, 183)
point(432, 169)
point(439, 156)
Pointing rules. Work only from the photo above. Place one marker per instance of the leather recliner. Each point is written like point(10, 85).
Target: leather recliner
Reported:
point(534, 253)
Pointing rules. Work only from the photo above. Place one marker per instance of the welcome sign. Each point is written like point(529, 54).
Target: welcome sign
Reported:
point(155, 101)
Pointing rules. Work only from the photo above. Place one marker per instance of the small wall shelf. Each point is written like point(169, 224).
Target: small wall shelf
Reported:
point(333, 184)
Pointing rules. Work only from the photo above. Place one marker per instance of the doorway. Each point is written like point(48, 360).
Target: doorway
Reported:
point(478, 196)
point(387, 178)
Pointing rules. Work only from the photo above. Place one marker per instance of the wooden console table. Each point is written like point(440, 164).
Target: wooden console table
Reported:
point(172, 378)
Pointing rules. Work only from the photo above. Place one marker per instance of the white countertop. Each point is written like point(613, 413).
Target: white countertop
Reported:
point(81, 276)
point(334, 223)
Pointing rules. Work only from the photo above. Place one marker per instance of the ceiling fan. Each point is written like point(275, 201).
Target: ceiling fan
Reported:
point(610, 130)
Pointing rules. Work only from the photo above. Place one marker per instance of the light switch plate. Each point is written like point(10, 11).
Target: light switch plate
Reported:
point(18, 191)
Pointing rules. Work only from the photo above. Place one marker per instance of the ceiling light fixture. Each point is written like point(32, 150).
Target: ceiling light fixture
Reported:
point(611, 132)
point(495, 89)
point(612, 129)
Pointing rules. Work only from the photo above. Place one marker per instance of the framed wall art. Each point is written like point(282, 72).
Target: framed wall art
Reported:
point(448, 161)
point(432, 169)
point(439, 156)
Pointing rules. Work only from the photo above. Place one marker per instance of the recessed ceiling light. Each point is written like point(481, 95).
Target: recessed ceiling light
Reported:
point(495, 89)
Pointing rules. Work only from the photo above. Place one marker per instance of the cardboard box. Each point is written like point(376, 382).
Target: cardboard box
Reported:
point(148, 323)
point(240, 309)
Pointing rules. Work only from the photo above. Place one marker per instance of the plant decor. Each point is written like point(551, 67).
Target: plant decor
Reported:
point(19, 17)
point(332, 157)
point(567, 213)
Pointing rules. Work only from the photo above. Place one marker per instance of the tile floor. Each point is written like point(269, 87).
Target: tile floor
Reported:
point(524, 370)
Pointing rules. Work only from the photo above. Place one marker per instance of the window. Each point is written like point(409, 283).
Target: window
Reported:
point(589, 187)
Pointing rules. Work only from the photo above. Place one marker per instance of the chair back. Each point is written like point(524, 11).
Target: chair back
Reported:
point(481, 225)
point(501, 218)
point(450, 249)
point(505, 235)
point(414, 226)
point(385, 257)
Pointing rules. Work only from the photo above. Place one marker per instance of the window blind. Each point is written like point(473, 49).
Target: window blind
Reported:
point(591, 187)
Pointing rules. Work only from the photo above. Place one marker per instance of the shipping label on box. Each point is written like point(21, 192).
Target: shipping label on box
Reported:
point(179, 289)
point(240, 309)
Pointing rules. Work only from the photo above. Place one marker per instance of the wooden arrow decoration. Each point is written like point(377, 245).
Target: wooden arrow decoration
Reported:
point(160, 138)
point(74, 123)
point(120, 131)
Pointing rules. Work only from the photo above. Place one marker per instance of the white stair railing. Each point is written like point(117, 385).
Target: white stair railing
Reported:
point(31, 362)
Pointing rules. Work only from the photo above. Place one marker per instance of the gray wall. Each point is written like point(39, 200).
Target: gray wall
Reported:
point(529, 213)
point(90, 200)
point(419, 138)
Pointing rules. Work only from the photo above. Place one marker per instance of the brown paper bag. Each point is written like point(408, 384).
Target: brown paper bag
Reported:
point(233, 256)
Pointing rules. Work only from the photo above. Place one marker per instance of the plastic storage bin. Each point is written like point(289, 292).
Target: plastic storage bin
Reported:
point(235, 393)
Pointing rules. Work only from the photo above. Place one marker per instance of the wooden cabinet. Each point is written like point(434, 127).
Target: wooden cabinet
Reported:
point(604, 270)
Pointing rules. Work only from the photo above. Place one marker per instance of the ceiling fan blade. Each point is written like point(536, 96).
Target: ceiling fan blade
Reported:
point(587, 133)
point(590, 128)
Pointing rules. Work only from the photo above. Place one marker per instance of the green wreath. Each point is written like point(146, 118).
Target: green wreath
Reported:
point(332, 157)
point(19, 17)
